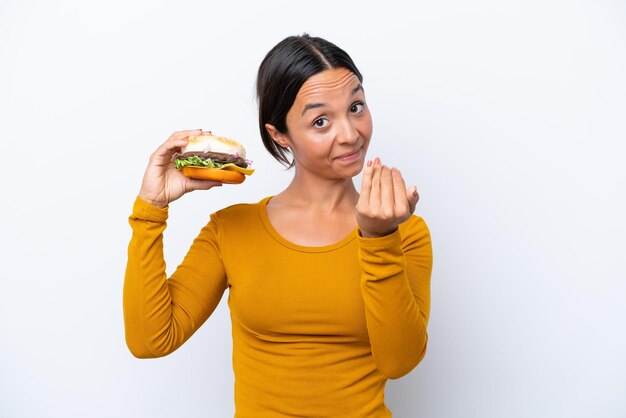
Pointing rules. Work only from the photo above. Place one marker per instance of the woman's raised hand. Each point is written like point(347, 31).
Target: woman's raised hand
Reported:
point(385, 202)
point(162, 182)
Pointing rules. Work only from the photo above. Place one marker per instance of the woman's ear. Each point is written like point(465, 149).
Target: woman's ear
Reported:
point(280, 138)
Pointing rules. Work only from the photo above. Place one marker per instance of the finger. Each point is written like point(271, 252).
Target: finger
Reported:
point(386, 190)
point(374, 201)
point(174, 142)
point(180, 138)
point(185, 134)
point(177, 138)
point(413, 197)
point(399, 190)
point(366, 182)
point(163, 155)
point(197, 184)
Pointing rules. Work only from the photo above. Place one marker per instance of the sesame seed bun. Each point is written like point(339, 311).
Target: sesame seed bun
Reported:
point(211, 143)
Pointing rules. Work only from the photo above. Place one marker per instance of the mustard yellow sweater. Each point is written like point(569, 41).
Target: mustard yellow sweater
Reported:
point(317, 331)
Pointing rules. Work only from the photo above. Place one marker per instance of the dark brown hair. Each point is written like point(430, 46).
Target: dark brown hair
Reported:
point(281, 74)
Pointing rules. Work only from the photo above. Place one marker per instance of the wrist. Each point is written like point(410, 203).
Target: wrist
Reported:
point(159, 204)
point(366, 234)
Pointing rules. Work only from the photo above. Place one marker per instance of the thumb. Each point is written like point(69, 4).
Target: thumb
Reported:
point(413, 197)
point(197, 184)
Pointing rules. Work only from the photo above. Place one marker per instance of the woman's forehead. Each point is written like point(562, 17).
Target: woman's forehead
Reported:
point(336, 81)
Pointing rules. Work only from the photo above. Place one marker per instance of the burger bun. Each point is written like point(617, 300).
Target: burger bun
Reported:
point(214, 174)
point(212, 143)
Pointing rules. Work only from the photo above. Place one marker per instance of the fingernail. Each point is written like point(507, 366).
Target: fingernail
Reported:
point(415, 191)
point(377, 160)
point(369, 163)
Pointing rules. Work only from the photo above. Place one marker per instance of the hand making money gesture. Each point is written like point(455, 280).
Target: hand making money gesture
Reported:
point(385, 202)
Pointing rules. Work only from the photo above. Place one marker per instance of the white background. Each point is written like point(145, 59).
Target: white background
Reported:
point(509, 116)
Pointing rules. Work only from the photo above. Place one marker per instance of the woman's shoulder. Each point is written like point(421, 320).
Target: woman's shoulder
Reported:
point(239, 213)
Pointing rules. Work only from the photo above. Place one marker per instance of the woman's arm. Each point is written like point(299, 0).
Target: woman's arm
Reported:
point(161, 314)
point(396, 259)
point(395, 285)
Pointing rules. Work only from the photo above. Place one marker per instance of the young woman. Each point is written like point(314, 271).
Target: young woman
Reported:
point(329, 289)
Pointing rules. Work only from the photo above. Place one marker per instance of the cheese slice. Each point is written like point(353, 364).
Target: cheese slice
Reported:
point(233, 167)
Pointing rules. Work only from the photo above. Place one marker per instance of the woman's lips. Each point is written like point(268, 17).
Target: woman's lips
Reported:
point(353, 155)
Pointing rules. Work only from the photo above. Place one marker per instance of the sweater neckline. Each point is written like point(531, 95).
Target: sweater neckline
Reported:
point(297, 247)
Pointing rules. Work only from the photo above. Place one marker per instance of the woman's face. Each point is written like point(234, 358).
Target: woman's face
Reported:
point(329, 125)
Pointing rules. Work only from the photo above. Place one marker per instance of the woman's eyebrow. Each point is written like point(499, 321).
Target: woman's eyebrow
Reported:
point(312, 106)
point(356, 89)
point(316, 105)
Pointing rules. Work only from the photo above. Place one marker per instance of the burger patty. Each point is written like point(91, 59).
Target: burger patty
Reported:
point(215, 156)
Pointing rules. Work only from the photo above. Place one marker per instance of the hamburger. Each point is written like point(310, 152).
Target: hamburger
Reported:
point(216, 158)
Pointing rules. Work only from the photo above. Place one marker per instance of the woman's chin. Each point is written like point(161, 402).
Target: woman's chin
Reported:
point(352, 172)
point(358, 170)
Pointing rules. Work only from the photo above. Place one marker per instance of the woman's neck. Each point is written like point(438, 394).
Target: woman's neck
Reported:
point(319, 194)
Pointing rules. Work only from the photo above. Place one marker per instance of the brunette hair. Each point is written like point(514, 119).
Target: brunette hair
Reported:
point(281, 74)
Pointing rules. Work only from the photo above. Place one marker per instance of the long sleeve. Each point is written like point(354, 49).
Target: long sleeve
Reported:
point(160, 314)
point(395, 285)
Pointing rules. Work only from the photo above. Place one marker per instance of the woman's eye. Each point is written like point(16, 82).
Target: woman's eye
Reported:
point(321, 122)
point(357, 108)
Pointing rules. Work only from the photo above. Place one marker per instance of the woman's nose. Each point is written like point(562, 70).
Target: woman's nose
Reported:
point(347, 132)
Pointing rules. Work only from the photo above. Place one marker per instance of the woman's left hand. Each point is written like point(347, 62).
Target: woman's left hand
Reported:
point(385, 202)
